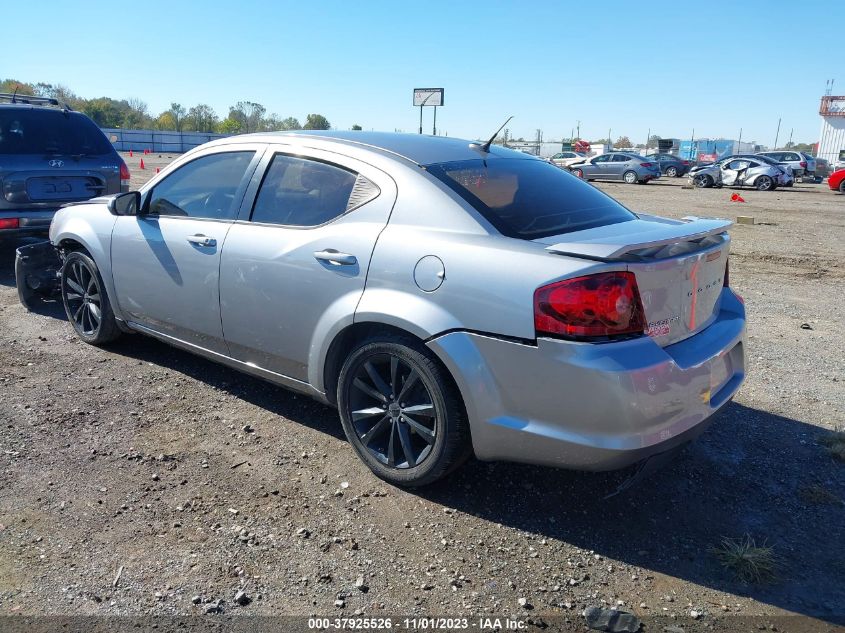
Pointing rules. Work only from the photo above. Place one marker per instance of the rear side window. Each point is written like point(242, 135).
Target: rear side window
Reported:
point(530, 199)
point(302, 192)
point(203, 188)
point(50, 132)
point(621, 158)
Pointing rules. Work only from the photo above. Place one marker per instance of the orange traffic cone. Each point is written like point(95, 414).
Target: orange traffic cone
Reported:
point(737, 198)
point(130, 153)
point(142, 164)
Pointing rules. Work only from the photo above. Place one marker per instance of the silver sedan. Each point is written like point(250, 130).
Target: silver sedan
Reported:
point(630, 168)
point(448, 297)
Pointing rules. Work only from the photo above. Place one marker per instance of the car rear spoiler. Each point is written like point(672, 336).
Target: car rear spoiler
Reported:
point(645, 241)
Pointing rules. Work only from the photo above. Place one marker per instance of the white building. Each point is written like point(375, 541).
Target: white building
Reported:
point(832, 137)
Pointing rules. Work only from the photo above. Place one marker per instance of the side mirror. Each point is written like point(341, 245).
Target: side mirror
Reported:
point(126, 203)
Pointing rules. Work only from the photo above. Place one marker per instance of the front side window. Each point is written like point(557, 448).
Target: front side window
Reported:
point(302, 192)
point(601, 159)
point(204, 188)
point(529, 199)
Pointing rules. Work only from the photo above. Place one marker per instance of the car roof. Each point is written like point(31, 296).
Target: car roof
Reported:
point(421, 149)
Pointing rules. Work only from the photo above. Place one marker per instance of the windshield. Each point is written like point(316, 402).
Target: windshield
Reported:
point(530, 199)
point(51, 132)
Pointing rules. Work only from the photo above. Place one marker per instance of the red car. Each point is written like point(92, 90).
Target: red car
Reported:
point(836, 181)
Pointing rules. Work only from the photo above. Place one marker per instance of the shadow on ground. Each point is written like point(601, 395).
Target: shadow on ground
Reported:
point(746, 475)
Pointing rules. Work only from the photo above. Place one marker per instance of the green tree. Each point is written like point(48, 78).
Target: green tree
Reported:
point(229, 126)
point(165, 121)
point(177, 113)
point(653, 141)
point(317, 122)
point(136, 115)
point(357, 127)
point(249, 114)
point(201, 118)
point(23, 88)
point(291, 123)
point(103, 111)
point(622, 141)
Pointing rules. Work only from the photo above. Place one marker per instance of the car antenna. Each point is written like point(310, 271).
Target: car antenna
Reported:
point(486, 147)
point(15, 92)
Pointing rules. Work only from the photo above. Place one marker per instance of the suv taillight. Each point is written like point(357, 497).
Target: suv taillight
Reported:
point(124, 174)
point(9, 223)
point(605, 304)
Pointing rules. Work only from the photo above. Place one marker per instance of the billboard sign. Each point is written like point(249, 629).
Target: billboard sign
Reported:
point(428, 96)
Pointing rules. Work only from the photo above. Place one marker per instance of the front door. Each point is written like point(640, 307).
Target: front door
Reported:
point(294, 265)
point(166, 260)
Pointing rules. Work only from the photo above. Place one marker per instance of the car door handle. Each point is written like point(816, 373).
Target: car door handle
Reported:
point(337, 258)
point(202, 240)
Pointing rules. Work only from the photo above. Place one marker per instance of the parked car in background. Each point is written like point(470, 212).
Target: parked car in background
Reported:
point(836, 181)
point(736, 172)
point(50, 155)
point(803, 165)
point(565, 159)
point(822, 169)
point(785, 175)
point(345, 265)
point(624, 166)
point(670, 165)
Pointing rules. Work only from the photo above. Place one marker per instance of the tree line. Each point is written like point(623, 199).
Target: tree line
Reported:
point(242, 118)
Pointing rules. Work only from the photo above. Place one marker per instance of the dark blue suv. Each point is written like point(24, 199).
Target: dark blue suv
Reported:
point(49, 156)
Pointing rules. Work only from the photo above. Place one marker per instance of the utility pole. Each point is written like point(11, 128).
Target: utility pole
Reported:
point(578, 127)
point(739, 143)
point(791, 130)
point(647, 139)
point(776, 135)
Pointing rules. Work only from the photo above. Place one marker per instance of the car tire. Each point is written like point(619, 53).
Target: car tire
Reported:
point(630, 177)
point(410, 438)
point(85, 299)
point(703, 181)
point(842, 187)
point(672, 172)
point(764, 183)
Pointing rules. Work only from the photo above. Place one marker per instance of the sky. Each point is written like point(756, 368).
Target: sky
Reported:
point(628, 67)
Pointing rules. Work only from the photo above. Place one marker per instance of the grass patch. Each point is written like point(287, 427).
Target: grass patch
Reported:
point(819, 495)
point(748, 561)
point(835, 444)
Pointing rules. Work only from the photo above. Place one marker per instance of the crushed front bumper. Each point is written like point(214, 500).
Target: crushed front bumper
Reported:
point(37, 269)
point(594, 406)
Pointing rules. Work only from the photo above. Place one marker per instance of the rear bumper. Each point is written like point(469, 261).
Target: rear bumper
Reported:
point(594, 407)
point(30, 222)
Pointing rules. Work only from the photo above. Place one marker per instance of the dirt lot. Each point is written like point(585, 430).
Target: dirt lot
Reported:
point(134, 461)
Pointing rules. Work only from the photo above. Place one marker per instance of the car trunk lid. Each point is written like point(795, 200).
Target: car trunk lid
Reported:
point(679, 266)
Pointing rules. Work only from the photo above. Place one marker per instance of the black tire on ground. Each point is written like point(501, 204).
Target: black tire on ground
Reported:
point(86, 303)
point(842, 187)
point(703, 181)
point(764, 183)
point(672, 172)
point(410, 438)
point(630, 177)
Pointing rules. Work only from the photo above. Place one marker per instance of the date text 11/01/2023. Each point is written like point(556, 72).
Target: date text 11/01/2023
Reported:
point(417, 623)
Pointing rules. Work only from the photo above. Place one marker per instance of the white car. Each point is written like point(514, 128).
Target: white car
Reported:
point(565, 159)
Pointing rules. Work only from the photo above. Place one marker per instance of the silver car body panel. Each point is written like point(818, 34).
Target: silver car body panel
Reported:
point(428, 263)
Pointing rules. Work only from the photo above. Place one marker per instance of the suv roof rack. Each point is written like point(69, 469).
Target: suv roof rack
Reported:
point(8, 97)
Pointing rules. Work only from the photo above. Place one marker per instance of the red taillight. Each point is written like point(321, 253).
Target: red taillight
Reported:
point(605, 304)
point(685, 162)
point(803, 164)
point(9, 223)
point(124, 174)
point(645, 164)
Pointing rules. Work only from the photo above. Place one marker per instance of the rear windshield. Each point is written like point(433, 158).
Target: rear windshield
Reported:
point(530, 199)
point(50, 132)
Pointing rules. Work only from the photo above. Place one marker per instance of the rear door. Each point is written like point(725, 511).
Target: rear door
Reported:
point(616, 166)
point(295, 263)
point(166, 262)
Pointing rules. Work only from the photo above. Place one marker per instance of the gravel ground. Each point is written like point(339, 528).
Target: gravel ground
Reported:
point(141, 480)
